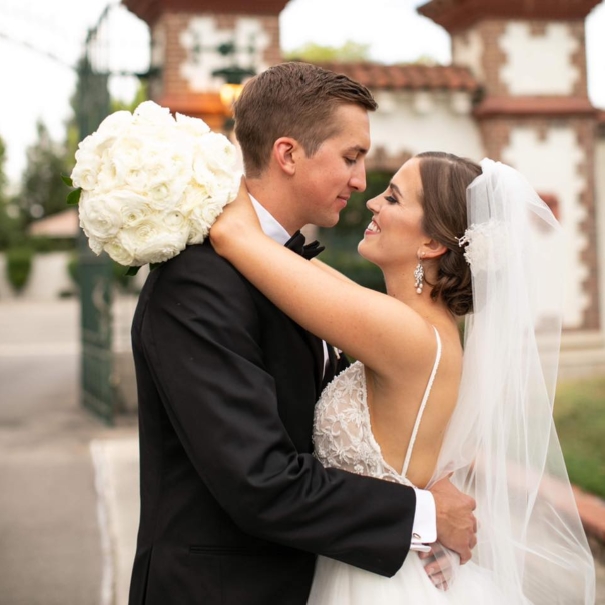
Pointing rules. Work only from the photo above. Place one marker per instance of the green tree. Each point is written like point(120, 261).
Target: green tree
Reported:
point(349, 52)
point(11, 225)
point(42, 191)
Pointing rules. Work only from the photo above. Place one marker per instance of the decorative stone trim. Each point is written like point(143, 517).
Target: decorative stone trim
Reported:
point(586, 139)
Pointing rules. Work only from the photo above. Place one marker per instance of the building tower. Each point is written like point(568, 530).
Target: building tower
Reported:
point(197, 46)
point(535, 115)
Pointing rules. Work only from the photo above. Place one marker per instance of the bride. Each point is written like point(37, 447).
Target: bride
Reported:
point(453, 238)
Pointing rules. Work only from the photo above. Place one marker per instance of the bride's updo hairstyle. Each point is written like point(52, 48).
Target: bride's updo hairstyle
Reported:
point(445, 178)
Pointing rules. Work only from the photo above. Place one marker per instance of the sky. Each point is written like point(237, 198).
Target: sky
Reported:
point(40, 42)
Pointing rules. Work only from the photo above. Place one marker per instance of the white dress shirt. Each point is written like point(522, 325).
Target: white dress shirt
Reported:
point(424, 530)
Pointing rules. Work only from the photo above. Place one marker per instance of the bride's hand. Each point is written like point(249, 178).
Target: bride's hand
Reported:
point(441, 565)
point(237, 219)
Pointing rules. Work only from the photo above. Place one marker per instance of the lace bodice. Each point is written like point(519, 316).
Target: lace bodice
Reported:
point(343, 431)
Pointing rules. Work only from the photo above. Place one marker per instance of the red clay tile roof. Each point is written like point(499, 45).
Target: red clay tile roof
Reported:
point(407, 77)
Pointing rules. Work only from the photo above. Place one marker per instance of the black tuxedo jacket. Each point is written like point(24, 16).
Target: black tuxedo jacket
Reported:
point(234, 507)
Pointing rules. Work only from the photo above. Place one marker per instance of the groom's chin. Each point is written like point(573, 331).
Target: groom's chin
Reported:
point(328, 221)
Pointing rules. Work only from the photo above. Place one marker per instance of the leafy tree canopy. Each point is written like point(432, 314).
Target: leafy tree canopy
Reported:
point(11, 227)
point(42, 190)
point(349, 52)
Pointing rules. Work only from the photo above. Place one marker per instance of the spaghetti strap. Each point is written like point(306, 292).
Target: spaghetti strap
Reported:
point(427, 392)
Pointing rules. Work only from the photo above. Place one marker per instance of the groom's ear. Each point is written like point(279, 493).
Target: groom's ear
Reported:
point(284, 153)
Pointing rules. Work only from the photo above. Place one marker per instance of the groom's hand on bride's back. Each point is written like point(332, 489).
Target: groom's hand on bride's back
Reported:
point(456, 524)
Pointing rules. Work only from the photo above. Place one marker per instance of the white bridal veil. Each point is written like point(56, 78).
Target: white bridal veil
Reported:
point(501, 444)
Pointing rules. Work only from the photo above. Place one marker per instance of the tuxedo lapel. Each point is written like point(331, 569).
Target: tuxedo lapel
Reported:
point(316, 346)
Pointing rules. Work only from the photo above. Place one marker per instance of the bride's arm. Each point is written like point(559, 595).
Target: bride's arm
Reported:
point(372, 327)
point(334, 272)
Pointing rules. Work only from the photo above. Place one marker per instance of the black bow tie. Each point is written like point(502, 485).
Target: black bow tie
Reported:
point(297, 244)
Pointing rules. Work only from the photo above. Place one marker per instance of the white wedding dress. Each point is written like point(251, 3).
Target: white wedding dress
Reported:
point(343, 439)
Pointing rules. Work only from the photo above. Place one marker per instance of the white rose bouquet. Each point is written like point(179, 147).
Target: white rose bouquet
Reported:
point(148, 184)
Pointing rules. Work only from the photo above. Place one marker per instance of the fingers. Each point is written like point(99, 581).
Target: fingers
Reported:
point(441, 576)
point(465, 555)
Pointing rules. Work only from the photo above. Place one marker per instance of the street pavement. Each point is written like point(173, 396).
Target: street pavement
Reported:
point(68, 484)
point(61, 493)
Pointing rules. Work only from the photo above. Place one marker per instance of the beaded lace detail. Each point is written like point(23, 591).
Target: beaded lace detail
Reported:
point(343, 431)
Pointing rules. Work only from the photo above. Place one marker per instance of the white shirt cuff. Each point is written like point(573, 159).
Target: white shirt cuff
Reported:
point(424, 530)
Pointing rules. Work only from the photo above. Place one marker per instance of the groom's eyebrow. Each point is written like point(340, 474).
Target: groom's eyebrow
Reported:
point(357, 149)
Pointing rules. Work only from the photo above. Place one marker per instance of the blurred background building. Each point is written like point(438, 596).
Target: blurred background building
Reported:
point(516, 91)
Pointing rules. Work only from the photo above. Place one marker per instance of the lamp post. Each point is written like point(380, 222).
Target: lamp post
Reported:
point(230, 91)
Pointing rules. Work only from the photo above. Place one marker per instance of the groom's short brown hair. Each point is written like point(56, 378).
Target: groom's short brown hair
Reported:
point(292, 100)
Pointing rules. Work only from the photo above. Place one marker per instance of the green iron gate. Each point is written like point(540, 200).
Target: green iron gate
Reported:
point(97, 387)
point(102, 369)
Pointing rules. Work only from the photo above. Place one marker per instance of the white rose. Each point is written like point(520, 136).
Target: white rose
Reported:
point(201, 218)
point(193, 126)
point(95, 245)
point(204, 178)
point(176, 221)
point(107, 178)
point(86, 171)
point(154, 242)
point(159, 167)
point(125, 164)
point(217, 152)
point(120, 251)
point(194, 195)
point(210, 211)
point(134, 208)
point(151, 113)
point(101, 216)
point(114, 124)
point(198, 233)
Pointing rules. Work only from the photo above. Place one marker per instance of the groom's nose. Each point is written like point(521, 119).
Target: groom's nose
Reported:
point(358, 178)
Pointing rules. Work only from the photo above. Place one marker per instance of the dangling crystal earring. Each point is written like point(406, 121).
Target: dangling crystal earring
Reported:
point(419, 277)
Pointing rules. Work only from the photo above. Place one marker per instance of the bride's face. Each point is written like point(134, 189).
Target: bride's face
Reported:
point(394, 234)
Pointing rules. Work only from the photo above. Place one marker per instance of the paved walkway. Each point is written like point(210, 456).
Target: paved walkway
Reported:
point(57, 545)
point(69, 498)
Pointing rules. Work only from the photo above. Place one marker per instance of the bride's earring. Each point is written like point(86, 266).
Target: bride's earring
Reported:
point(419, 276)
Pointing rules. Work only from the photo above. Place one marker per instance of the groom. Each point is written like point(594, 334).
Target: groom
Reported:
point(234, 507)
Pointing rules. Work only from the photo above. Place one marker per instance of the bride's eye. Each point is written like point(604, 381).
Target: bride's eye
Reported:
point(391, 199)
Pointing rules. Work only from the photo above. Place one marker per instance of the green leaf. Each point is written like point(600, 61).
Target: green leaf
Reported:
point(67, 180)
point(132, 271)
point(74, 197)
